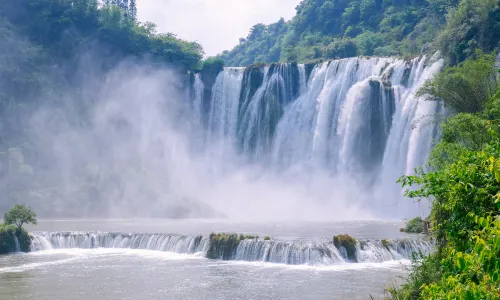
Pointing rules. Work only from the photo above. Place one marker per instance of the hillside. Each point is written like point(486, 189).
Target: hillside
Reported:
point(54, 58)
point(330, 29)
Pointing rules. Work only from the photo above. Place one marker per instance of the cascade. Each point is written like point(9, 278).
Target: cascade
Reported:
point(293, 252)
point(198, 88)
point(355, 119)
point(91, 240)
point(223, 115)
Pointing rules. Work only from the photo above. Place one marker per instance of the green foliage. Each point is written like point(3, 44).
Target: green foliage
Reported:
point(211, 67)
point(463, 182)
point(474, 24)
point(222, 245)
point(267, 238)
point(425, 270)
point(348, 243)
point(463, 189)
point(54, 48)
point(415, 225)
point(7, 239)
point(344, 28)
point(20, 215)
point(471, 274)
point(7, 243)
point(464, 88)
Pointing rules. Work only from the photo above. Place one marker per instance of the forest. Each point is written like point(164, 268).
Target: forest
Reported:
point(331, 29)
point(51, 52)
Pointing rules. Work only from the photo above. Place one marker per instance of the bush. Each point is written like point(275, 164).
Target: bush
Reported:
point(7, 241)
point(267, 238)
point(425, 270)
point(223, 245)
point(416, 225)
point(465, 88)
point(475, 273)
point(465, 188)
point(348, 243)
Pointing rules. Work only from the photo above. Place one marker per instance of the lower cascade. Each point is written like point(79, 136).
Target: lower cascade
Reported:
point(91, 240)
point(250, 249)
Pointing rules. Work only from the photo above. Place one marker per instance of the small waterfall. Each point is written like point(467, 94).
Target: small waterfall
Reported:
point(198, 88)
point(302, 79)
point(16, 241)
point(325, 253)
point(223, 115)
point(375, 251)
point(291, 253)
point(91, 240)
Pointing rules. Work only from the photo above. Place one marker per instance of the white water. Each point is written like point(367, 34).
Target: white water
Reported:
point(251, 250)
point(356, 120)
point(16, 241)
point(92, 240)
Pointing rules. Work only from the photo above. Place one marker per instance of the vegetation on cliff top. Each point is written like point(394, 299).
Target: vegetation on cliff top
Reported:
point(330, 29)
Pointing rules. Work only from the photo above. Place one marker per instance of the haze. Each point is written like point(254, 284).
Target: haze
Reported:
point(216, 24)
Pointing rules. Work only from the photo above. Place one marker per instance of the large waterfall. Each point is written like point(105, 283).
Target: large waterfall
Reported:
point(356, 121)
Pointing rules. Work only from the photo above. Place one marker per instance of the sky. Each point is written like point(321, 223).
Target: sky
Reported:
point(216, 24)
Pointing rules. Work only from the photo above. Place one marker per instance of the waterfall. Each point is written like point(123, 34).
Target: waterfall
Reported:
point(199, 88)
point(91, 240)
point(223, 115)
point(16, 241)
point(356, 119)
point(293, 252)
point(376, 251)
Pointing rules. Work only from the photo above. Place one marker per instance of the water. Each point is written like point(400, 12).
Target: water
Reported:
point(89, 259)
point(356, 121)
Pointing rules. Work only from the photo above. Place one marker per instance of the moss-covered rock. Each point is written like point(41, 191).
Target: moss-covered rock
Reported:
point(386, 243)
point(348, 243)
point(8, 234)
point(223, 246)
point(24, 240)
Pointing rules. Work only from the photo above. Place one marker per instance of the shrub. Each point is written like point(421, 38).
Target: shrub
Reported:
point(475, 273)
point(7, 241)
point(267, 238)
point(465, 88)
point(415, 225)
point(223, 245)
point(425, 270)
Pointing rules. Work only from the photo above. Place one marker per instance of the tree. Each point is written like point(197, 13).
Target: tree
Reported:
point(133, 9)
point(466, 87)
point(20, 215)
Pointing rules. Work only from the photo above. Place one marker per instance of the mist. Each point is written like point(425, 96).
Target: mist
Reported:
point(126, 143)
